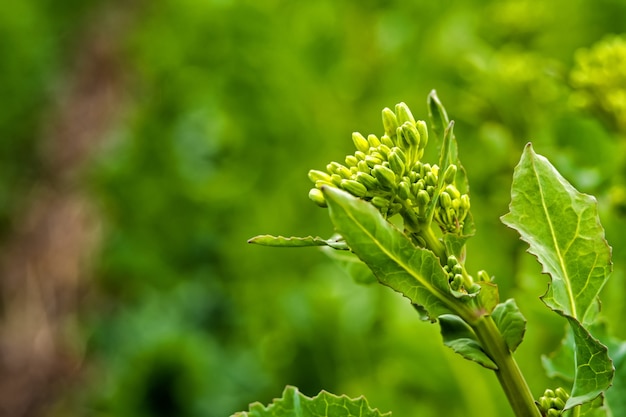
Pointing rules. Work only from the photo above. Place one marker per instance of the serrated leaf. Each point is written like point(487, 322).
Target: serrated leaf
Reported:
point(295, 404)
point(562, 227)
point(392, 257)
point(510, 322)
point(298, 242)
point(460, 337)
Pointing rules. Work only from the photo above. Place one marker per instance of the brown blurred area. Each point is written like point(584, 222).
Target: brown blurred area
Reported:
point(44, 262)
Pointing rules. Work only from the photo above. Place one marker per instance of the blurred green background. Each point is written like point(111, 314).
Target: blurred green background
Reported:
point(144, 142)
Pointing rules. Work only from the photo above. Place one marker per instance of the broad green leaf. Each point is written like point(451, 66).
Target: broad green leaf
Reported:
point(488, 297)
point(562, 228)
point(563, 231)
point(594, 370)
point(392, 257)
point(615, 396)
point(295, 404)
point(510, 322)
point(298, 242)
point(460, 337)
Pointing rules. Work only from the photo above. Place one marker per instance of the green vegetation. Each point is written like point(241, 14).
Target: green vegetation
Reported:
point(224, 106)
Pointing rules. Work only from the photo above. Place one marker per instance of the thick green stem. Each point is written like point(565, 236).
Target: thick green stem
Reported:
point(508, 373)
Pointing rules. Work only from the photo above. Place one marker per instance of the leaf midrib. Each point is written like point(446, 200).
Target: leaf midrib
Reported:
point(566, 278)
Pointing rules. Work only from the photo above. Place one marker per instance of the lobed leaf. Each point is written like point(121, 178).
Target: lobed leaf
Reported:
point(298, 242)
point(393, 258)
point(563, 230)
point(295, 404)
point(510, 322)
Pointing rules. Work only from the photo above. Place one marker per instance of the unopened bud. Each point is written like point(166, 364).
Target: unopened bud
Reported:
point(367, 180)
point(453, 191)
point(404, 190)
point(422, 198)
point(430, 179)
point(483, 276)
point(373, 161)
point(561, 393)
point(380, 202)
point(558, 403)
point(337, 168)
point(363, 167)
point(465, 203)
point(373, 141)
point(354, 187)
point(360, 155)
point(396, 164)
point(450, 174)
point(553, 413)
point(410, 134)
point(336, 179)
point(386, 140)
point(404, 114)
point(390, 121)
point(351, 161)
point(385, 176)
point(360, 142)
point(423, 131)
point(317, 197)
point(315, 175)
point(445, 200)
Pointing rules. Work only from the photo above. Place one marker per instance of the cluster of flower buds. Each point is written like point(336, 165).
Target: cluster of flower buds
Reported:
point(387, 171)
point(552, 403)
point(459, 282)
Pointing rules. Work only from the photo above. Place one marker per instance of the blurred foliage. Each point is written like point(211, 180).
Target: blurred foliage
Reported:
point(230, 104)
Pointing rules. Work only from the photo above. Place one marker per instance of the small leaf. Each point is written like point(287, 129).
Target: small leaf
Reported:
point(352, 265)
point(295, 404)
point(460, 337)
point(510, 322)
point(392, 257)
point(298, 242)
point(563, 230)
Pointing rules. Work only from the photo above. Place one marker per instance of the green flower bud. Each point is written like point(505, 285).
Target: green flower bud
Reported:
point(373, 161)
point(315, 175)
point(410, 134)
point(465, 203)
point(317, 197)
point(351, 161)
point(363, 167)
point(404, 190)
point(360, 142)
point(404, 114)
point(321, 183)
point(450, 174)
point(354, 187)
point(385, 176)
point(336, 179)
point(453, 191)
point(445, 200)
point(430, 179)
point(384, 150)
point(452, 262)
point(430, 189)
point(337, 168)
point(360, 155)
point(390, 121)
point(553, 413)
point(561, 393)
point(367, 180)
point(380, 202)
point(422, 198)
point(386, 140)
point(373, 141)
point(396, 163)
point(425, 169)
point(457, 281)
point(423, 131)
point(558, 403)
point(374, 152)
point(457, 269)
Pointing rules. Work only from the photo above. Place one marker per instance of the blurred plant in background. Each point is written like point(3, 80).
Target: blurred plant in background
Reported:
point(220, 108)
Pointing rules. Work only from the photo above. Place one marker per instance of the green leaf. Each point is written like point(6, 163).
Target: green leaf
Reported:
point(298, 242)
point(295, 404)
point(392, 257)
point(510, 322)
point(563, 230)
point(460, 337)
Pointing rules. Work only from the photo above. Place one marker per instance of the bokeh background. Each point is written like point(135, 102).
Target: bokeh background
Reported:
point(142, 143)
